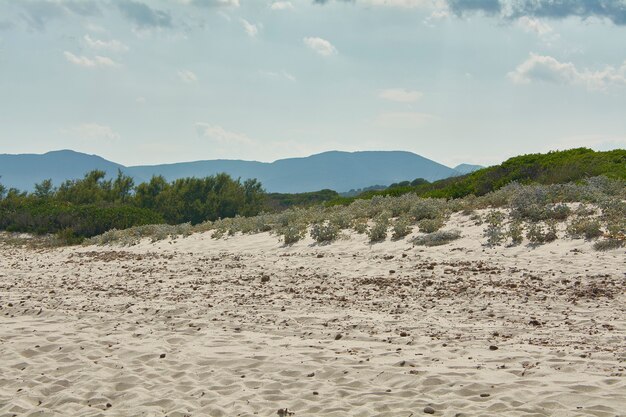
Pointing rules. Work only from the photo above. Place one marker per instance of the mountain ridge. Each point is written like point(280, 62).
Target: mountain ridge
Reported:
point(336, 170)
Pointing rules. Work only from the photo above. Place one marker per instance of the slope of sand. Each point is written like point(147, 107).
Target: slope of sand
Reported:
point(245, 326)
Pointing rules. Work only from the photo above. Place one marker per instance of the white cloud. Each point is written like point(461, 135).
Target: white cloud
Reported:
point(251, 29)
point(112, 45)
point(282, 5)
point(400, 95)
point(548, 69)
point(533, 25)
point(279, 74)
point(94, 28)
point(187, 76)
point(221, 136)
point(321, 46)
point(404, 120)
point(93, 132)
point(85, 62)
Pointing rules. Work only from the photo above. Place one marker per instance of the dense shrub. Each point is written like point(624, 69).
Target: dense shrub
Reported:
point(430, 225)
point(401, 227)
point(38, 216)
point(292, 234)
point(325, 232)
point(559, 167)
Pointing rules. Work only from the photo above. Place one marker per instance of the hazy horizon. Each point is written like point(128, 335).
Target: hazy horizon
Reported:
point(166, 81)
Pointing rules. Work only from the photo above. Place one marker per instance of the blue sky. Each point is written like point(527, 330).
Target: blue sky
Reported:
point(478, 81)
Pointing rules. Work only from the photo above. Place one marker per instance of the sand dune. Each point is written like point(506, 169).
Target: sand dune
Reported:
point(245, 326)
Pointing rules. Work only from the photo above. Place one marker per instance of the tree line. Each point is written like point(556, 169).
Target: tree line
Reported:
point(94, 204)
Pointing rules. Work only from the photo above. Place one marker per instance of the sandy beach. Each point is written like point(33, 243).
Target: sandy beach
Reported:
point(245, 326)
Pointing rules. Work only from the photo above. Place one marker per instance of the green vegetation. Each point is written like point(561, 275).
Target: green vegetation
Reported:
point(524, 196)
point(552, 168)
point(93, 205)
point(513, 215)
point(281, 201)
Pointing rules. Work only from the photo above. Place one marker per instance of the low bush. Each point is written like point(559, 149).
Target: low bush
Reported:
point(292, 234)
point(430, 225)
point(401, 227)
point(516, 232)
point(494, 232)
point(537, 234)
point(437, 238)
point(609, 244)
point(324, 232)
point(378, 231)
point(584, 228)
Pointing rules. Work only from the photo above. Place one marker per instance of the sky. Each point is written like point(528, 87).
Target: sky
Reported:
point(458, 81)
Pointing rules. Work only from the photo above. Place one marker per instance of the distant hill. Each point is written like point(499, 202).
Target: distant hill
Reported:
point(467, 168)
point(339, 171)
point(24, 170)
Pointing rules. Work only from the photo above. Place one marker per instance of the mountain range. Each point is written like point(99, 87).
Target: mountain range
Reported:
point(335, 170)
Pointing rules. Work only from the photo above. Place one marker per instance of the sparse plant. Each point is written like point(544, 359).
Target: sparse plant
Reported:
point(539, 233)
point(584, 210)
point(584, 228)
point(477, 219)
point(494, 232)
point(360, 225)
point(378, 231)
point(609, 244)
point(516, 232)
point(438, 238)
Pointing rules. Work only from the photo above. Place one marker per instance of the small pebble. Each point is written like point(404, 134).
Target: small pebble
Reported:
point(429, 410)
point(162, 355)
point(493, 347)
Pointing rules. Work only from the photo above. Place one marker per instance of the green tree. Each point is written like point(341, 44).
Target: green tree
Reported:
point(122, 187)
point(93, 188)
point(44, 189)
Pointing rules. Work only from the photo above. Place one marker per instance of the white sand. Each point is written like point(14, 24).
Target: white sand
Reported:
point(82, 330)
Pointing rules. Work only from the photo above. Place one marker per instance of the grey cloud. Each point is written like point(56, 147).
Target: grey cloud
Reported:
point(460, 7)
point(143, 15)
point(5, 24)
point(37, 13)
point(614, 10)
point(83, 8)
